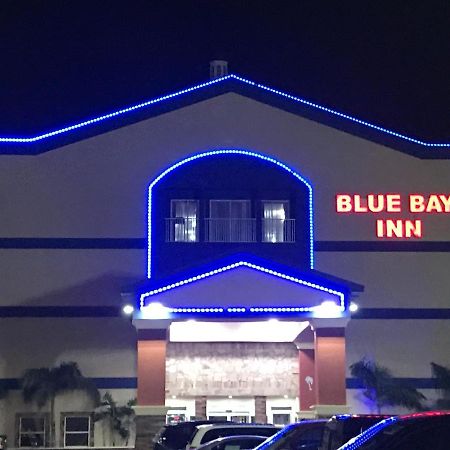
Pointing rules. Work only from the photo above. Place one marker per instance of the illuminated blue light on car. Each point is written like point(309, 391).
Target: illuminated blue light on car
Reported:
point(40, 137)
point(250, 309)
point(359, 440)
point(221, 152)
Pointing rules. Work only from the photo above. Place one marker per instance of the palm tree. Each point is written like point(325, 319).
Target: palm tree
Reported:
point(43, 385)
point(381, 388)
point(118, 418)
point(442, 376)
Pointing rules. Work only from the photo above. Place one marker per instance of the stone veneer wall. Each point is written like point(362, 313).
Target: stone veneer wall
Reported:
point(231, 368)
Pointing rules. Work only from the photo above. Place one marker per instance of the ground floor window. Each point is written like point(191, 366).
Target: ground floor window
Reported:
point(77, 430)
point(32, 430)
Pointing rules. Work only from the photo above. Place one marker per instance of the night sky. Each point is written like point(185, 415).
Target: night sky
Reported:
point(387, 62)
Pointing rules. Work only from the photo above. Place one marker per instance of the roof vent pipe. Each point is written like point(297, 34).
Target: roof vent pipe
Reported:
point(218, 69)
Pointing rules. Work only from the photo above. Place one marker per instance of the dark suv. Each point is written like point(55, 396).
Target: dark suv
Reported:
point(339, 429)
point(175, 437)
point(320, 434)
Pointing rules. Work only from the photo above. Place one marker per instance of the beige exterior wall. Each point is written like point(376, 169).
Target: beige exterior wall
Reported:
point(96, 188)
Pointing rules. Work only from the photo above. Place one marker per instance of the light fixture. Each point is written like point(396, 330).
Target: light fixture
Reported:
point(353, 307)
point(155, 310)
point(327, 309)
point(230, 396)
point(128, 309)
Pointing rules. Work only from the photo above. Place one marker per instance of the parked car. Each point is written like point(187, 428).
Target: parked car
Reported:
point(175, 437)
point(421, 431)
point(320, 434)
point(339, 429)
point(304, 435)
point(207, 433)
point(240, 442)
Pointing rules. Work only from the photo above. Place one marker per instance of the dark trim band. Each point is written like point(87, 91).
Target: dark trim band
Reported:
point(115, 311)
point(141, 243)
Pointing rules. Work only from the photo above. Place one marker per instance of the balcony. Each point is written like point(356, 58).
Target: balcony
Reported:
point(278, 230)
point(181, 229)
point(230, 230)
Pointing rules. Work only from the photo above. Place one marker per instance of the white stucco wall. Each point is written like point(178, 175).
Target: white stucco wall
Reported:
point(96, 188)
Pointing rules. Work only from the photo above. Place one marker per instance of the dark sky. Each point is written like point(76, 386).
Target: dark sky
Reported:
point(387, 62)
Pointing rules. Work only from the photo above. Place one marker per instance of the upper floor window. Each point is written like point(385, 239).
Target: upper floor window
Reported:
point(183, 223)
point(32, 430)
point(230, 221)
point(276, 224)
point(77, 430)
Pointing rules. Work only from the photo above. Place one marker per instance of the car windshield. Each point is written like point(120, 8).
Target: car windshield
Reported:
point(307, 436)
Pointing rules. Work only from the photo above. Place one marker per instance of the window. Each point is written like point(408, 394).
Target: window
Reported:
point(32, 430)
point(276, 225)
point(230, 221)
point(77, 430)
point(281, 418)
point(182, 226)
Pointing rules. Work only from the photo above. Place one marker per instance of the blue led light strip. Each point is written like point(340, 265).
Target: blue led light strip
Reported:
point(111, 115)
point(27, 140)
point(222, 152)
point(359, 440)
point(339, 114)
point(253, 309)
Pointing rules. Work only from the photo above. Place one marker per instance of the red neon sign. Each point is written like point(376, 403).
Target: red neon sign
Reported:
point(394, 203)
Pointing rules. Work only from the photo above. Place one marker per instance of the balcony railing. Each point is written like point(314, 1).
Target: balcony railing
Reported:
point(230, 230)
point(278, 230)
point(180, 229)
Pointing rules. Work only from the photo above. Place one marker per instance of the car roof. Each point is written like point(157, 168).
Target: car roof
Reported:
point(234, 425)
point(238, 436)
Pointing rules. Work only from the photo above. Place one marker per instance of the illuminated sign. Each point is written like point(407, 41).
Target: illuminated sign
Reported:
point(394, 203)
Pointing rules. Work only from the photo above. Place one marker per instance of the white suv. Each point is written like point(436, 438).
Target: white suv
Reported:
point(206, 433)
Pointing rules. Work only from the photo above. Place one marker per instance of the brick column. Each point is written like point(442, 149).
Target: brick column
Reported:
point(307, 390)
point(329, 370)
point(330, 366)
point(151, 385)
point(306, 370)
point(151, 370)
point(200, 408)
point(260, 409)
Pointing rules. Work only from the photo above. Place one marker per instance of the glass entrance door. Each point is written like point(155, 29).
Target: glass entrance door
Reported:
point(239, 417)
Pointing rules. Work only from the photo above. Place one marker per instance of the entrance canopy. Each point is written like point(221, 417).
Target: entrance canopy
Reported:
point(244, 287)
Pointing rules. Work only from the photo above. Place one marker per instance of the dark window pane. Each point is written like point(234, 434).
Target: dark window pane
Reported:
point(77, 423)
point(31, 440)
point(77, 440)
point(32, 424)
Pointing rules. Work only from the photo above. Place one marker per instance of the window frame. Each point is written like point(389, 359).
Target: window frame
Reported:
point(288, 217)
point(229, 200)
point(89, 432)
point(173, 217)
point(45, 432)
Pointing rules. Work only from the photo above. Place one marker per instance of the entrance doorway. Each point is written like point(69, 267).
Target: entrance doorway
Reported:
point(234, 416)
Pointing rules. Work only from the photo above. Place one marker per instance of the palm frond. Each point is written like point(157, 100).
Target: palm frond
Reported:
point(442, 376)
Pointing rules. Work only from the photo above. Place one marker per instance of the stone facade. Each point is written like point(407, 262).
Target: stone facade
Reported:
point(232, 368)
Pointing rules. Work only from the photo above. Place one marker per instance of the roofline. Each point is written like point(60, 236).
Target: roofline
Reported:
point(424, 149)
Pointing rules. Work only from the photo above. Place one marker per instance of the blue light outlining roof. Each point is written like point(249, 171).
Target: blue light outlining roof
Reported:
point(248, 309)
point(359, 440)
point(40, 137)
point(221, 152)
